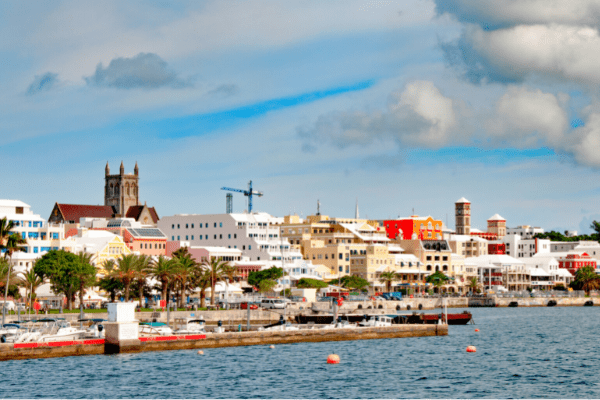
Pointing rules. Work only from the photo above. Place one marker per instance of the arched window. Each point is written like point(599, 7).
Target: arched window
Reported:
point(127, 189)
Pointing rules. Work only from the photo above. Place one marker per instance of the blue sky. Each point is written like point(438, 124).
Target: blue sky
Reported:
point(401, 105)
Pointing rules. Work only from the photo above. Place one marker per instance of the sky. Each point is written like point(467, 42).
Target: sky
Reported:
point(400, 106)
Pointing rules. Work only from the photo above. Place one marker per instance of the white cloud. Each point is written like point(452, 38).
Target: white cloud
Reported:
point(495, 13)
point(419, 115)
point(569, 53)
point(526, 117)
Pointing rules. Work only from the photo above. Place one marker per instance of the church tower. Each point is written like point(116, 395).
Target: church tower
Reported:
point(121, 191)
point(463, 216)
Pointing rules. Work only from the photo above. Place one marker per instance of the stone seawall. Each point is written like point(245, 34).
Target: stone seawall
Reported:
point(230, 339)
point(543, 301)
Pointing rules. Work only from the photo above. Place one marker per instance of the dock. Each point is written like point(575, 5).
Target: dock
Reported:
point(21, 351)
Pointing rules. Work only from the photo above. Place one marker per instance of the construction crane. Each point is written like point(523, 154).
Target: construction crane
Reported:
point(248, 193)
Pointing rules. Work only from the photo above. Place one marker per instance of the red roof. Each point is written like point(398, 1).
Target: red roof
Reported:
point(73, 212)
point(135, 211)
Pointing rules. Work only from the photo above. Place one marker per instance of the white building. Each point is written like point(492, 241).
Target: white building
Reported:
point(257, 235)
point(545, 272)
point(518, 247)
point(499, 272)
point(41, 236)
point(525, 231)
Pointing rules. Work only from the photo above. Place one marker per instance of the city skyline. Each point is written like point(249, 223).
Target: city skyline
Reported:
point(400, 104)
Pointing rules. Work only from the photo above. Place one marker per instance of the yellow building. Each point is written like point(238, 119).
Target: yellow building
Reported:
point(103, 245)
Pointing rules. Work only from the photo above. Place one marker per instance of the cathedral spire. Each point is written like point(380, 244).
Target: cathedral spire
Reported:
point(107, 170)
point(136, 169)
point(122, 169)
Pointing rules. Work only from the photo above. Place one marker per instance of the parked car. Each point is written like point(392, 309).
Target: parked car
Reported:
point(245, 305)
point(273, 303)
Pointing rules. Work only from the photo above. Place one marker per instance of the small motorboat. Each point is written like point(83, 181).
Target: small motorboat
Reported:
point(95, 329)
point(154, 329)
point(59, 330)
point(376, 320)
point(341, 323)
point(192, 326)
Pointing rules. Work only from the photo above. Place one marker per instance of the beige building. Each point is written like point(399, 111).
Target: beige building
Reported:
point(468, 246)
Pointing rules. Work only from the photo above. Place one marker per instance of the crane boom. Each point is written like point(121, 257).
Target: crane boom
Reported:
point(249, 193)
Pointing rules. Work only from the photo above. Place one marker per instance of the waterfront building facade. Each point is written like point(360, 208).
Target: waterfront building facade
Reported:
point(524, 231)
point(102, 245)
point(502, 272)
point(40, 235)
point(468, 246)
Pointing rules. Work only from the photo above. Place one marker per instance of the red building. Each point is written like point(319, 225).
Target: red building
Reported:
point(496, 248)
point(573, 262)
point(415, 227)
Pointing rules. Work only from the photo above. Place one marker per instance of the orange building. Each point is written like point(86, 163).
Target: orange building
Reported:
point(414, 227)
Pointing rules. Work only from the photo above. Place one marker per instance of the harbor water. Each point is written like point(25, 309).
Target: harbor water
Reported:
point(546, 352)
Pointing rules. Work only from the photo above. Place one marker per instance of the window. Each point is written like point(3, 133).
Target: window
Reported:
point(206, 237)
point(229, 236)
point(177, 226)
point(192, 226)
point(340, 256)
point(221, 236)
point(215, 236)
point(186, 226)
point(235, 235)
point(173, 226)
point(192, 237)
point(215, 224)
point(249, 247)
point(187, 237)
point(220, 224)
point(172, 237)
point(178, 238)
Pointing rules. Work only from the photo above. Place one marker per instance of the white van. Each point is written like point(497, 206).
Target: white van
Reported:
point(272, 303)
point(10, 305)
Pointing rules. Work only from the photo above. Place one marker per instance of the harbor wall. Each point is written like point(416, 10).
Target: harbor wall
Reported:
point(215, 340)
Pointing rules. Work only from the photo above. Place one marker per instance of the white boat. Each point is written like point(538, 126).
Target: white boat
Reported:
point(95, 330)
point(285, 327)
point(10, 332)
point(376, 320)
point(60, 331)
point(192, 326)
point(340, 324)
point(154, 329)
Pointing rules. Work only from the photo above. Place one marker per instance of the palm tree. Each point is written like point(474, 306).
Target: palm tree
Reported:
point(162, 269)
point(10, 242)
point(142, 271)
point(473, 285)
point(109, 283)
point(30, 281)
point(7, 275)
point(185, 268)
point(201, 279)
point(586, 279)
point(219, 270)
point(85, 274)
point(125, 271)
point(388, 277)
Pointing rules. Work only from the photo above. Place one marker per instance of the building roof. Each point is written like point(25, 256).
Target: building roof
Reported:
point(462, 200)
point(73, 212)
point(13, 203)
point(496, 217)
point(135, 211)
point(154, 233)
point(496, 259)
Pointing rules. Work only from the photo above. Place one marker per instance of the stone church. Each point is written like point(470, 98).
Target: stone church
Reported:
point(121, 200)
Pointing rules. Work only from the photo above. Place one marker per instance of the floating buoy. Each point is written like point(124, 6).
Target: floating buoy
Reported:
point(333, 359)
point(471, 349)
point(271, 347)
point(200, 352)
point(476, 330)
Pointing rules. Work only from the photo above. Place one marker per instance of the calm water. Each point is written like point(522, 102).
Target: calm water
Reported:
point(521, 353)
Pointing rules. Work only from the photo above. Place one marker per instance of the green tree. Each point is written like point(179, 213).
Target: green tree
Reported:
point(308, 283)
point(354, 282)
point(388, 277)
point(586, 279)
point(186, 267)
point(163, 270)
point(85, 273)
point(201, 279)
point(7, 275)
point(438, 279)
point(30, 281)
point(142, 271)
point(108, 283)
point(219, 271)
point(126, 271)
point(60, 268)
point(9, 243)
point(474, 285)
point(266, 285)
point(595, 226)
point(273, 273)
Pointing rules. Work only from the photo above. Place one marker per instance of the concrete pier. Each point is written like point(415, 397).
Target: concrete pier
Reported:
point(213, 340)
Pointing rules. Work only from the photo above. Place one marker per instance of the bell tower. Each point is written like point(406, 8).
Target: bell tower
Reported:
point(463, 216)
point(121, 191)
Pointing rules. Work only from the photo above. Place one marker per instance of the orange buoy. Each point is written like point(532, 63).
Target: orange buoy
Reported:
point(200, 352)
point(271, 347)
point(471, 349)
point(333, 359)
point(476, 330)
